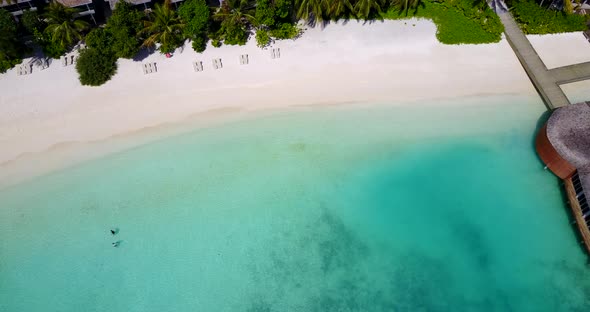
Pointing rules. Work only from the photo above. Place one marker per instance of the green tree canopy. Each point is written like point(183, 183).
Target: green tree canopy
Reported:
point(10, 49)
point(265, 13)
point(63, 28)
point(310, 10)
point(337, 8)
point(236, 17)
point(124, 27)
point(164, 27)
point(195, 16)
point(101, 40)
point(31, 21)
point(406, 5)
point(94, 67)
point(274, 21)
point(364, 8)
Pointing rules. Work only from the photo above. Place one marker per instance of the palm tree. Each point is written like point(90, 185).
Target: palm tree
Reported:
point(310, 10)
point(406, 5)
point(62, 26)
point(164, 27)
point(335, 8)
point(363, 8)
point(236, 12)
point(236, 16)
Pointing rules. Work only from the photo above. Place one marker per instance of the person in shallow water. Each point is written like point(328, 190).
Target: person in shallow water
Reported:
point(114, 231)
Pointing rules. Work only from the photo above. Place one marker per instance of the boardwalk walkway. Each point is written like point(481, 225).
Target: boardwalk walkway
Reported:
point(544, 80)
point(571, 73)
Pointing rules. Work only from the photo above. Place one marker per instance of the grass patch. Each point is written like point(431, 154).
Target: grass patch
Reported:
point(457, 21)
point(534, 19)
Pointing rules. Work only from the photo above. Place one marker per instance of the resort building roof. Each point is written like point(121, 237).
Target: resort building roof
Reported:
point(17, 8)
point(88, 8)
point(568, 130)
point(74, 3)
point(4, 3)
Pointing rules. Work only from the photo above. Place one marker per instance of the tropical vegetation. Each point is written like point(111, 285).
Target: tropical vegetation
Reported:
point(457, 21)
point(124, 27)
point(57, 28)
point(164, 28)
point(543, 18)
point(195, 14)
point(63, 28)
point(95, 68)
point(10, 49)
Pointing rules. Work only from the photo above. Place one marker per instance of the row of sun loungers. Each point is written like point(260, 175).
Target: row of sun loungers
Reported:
point(148, 68)
point(244, 60)
point(582, 200)
point(25, 69)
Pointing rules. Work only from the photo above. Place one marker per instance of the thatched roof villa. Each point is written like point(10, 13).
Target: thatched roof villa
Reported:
point(563, 144)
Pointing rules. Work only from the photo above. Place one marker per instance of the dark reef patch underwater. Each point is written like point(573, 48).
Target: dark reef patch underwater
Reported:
point(353, 208)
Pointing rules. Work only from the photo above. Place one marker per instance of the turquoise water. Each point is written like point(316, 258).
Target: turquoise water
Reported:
point(350, 208)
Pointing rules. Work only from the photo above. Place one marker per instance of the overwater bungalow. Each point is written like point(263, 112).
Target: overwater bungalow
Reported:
point(563, 144)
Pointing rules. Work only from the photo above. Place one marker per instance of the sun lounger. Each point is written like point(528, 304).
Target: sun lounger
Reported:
point(68, 60)
point(244, 59)
point(23, 69)
point(44, 64)
point(275, 53)
point(217, 63)
point(149, 68)
point(198, 66)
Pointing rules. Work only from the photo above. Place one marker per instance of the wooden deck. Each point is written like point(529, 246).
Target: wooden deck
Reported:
point(571, 73)
point(545, 81)
point(577, 212)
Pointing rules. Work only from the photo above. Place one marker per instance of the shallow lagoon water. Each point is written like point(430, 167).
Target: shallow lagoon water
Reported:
point(344, 208)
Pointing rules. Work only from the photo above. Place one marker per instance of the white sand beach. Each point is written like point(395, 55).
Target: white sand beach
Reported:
point(561, 49)
point(390, 61)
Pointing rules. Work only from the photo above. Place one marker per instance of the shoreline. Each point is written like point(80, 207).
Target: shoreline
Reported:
point(383, 62)
point(65, 155)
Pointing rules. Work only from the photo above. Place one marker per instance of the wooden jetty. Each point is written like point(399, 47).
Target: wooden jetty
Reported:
point(546, 81)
